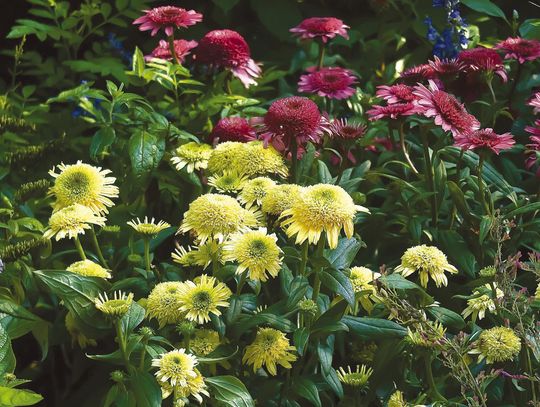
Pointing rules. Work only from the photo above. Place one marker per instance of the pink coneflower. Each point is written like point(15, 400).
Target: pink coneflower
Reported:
point(324, 28)
point(483, 60)
point(228, 49)
point(484, 138)
point(520, 49)
point(392, 111)
point(167, 17)
point(446, 67)
point(333, 83)
point(292, 118)
point(232, 129)
point(346, 130)
point(396, 93)
point(445, 108)
point(418, 73)
point(182, 49)
point(535, 102)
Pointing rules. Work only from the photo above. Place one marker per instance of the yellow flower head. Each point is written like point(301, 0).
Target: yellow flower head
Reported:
point(195, 388)
point(397, 400)
point(72, 221)
point(176, 367)
point(76, 335)
point(202, 297)
point(255, 251)
point(204, 342)
point(201, 255)
point(280, 198)
point(224, 157)
point(255, 190)
point(89, 269)
point(481, 302)
point(164, 302)
point(321, 208)
point(362, 279)
point(192, 155)
point(498, 344)
point(270, 348)
point(429, 262)
point(116, 306)
point(215, 216)
point(83, 184)
point(148, 227)
point(358, 378)
point(227, 182)
point(427, 338)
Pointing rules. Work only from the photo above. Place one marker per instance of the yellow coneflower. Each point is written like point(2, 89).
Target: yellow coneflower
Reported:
point(83, 184)
point(481, 302)
point(498, 344)
point(71, 221)
point(362, 280)
point(224, 157)
point(201, 255)
point(204, 342)
point(429, 261)
point(148, 227)
point(88, 268)
point(397, 400)
point(255, 251)
point(270, 348)
point(215, 216)
point(227, 182)
point(358, 378)
point(192, 156)
point(202, 297)
point(196, 387)
point(255, 190)
point(176, 367)
point(116, 306)
point(321, 208)
point(164, 302)
point(280, 198)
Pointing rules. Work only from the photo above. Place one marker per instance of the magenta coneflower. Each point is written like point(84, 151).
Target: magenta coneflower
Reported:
point(182, 49)
point(232, 129)
point(292, 118)
point(346, 130)
point(520, 49)
point(396, 93)
point(418, 73)
point(484, 139)
point(167, 17)
point(393, 111)
point(333, 83)
point(446, 67)
point(448, 112)
point(483, 60)
point(535, 102)
point(324, 28)
point(228, 49)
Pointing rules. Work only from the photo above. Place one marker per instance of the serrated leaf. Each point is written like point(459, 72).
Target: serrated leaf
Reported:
point(145, 152)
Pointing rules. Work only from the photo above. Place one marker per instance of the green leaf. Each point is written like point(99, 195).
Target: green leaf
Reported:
point(138, 62)
point(230, 391)
point(307, 389)
point(18, 397)
point(102, 139)
point(339, 283)
point(278, 16)
point(146, 389)
point(300, 339)
point(78, 293)
point(485, 227)
point(446, 317)
point(485, 6)
point(531, 207)
point(324, 173)
point(530, 29)
point(374, 328)
point(225, 5)
point(145, 152)
point(455, 247)
point(133, 318)
point(7, 358)
point(325, 351)
point(343, 255)
point(398, 282)
point(222, 353)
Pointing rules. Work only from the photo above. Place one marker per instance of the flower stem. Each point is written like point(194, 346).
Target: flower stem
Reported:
point(303, 262)
point(531, 374)
point(431, 382)
point(122, 342)
point(514, 85)
point(294, 160)
point(490, 86)
point(172, 50)
point(322, 49)
point(404, 149)
point(97, 248)
point(147, 256)
point(430, 179)
point(481, 184)
point(317, 281)
point(79, 247)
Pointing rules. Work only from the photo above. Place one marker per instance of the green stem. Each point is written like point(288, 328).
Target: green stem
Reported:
point(317, 281)
point(294, 161)
point(122, 343)
point(79, 247)
point(322, 49)
point(143, 356)
point(147, 256)
point(404, 149)
point(303, 261)
point(430, 179)
point(97, 248)
point(514, 85)
point(531, 374)
point(481, 184)
point(490, 86)
point(172, 50)
point(431, 382)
